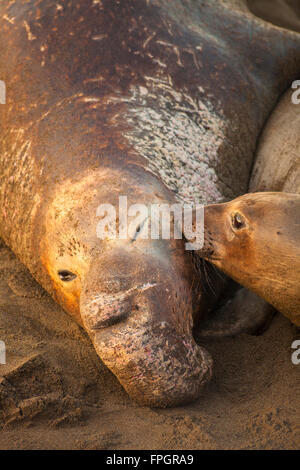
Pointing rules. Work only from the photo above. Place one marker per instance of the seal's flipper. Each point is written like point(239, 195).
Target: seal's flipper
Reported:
point(244, 313)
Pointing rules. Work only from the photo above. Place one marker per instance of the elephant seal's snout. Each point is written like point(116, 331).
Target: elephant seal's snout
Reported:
point(100, 316)
point(156, 366)
point(108, 309)
point(143, 333)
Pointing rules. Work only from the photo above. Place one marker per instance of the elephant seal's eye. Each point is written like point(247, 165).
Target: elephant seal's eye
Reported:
point(66, 276)
point(238, 221)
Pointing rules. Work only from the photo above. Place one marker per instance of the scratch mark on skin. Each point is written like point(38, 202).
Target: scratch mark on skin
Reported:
point(168, 27)
point(90, 99)
point(175, 49)
point(192, 52)
point(30, 36)
point(159, 62)
point(99, 37)
point(114, 119)
point(104, 299)
point(148, 40)
point(10, 20)
point(150, 55)
point(164, 43)
point(94, 80)
point(69, 99)
point(170, 81)
point(57, 105)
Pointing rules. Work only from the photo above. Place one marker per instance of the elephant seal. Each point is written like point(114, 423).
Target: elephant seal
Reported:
point(143, 99)
point(255, 239)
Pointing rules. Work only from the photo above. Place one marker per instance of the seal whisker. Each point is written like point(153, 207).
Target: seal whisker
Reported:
point(219, 273)
point(206, 278)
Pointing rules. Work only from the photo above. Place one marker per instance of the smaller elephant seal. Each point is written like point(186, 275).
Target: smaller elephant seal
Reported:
point(255, 239)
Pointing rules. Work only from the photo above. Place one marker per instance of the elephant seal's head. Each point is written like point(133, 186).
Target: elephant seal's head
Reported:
point(255, 239)
point(134, 296)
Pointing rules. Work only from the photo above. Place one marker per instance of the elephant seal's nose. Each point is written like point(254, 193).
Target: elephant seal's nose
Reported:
point(101, 315)
point(137, 306)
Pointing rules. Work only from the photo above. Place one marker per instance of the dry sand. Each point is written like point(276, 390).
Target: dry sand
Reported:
point(56, 394)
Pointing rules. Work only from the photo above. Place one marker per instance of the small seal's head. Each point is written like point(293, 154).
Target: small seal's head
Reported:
point(255, 239)
point(134, 295)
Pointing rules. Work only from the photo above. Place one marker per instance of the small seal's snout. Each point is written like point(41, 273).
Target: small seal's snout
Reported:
point(213, 215)
point(205, 252)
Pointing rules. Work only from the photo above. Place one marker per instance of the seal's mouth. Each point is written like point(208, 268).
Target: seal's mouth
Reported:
point(137, 305)
point(155, 365)
point(206, 253)
point(210, 256)
point(137, 335)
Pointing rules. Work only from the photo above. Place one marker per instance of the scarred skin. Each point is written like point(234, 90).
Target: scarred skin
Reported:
point(255, 239)
point(137, 98)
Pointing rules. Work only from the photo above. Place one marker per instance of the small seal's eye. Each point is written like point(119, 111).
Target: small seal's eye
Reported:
point(238, 221)
point(66, 276)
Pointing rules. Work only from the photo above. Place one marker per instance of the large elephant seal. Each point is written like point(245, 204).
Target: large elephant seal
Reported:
point(255, 239)
point(137, 98)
